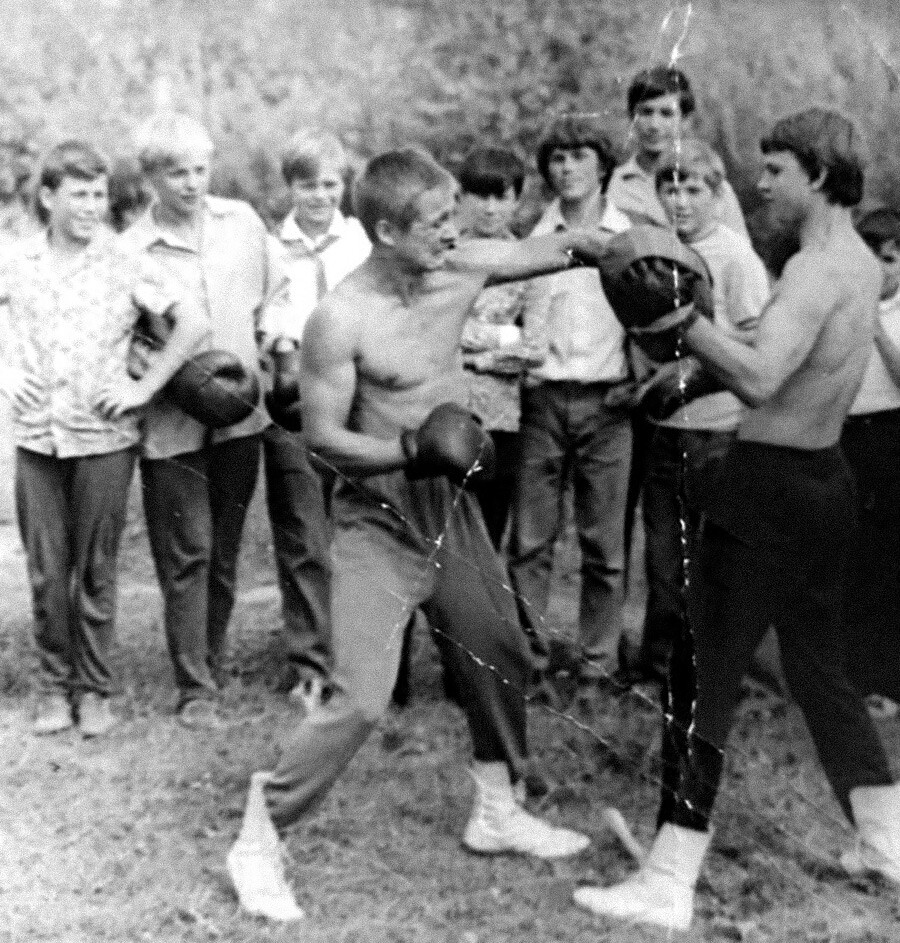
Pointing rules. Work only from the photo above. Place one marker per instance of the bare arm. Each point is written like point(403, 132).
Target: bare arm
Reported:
point(890, 352)
point(788, 329)
point(327, 387)
point(509, 261)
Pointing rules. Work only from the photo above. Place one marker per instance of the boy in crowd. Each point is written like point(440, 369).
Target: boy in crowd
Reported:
point(198, 482)
point(383, 393)
point(661, 106)
point(575, 423)
point(496, 349)
point(779, 525)
point(871, 444)
point(690, 438)
point(72, 296)
point(322, 246)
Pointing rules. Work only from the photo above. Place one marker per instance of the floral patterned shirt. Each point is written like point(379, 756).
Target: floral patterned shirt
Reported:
point(497, 351)
point(69, 324)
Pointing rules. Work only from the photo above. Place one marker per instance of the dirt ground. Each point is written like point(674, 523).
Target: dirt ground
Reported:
point(123, 839)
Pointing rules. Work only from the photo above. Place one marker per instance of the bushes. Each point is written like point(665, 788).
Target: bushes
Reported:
point(443, 75)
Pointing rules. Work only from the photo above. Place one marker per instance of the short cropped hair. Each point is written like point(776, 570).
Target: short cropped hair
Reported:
point(20, 158)
point(823, 140)
point(128, 191)
point(692, 158)
point(878, 227)
point(570, 131)
point(390, 185)
point(307, 151)
point(491, 171)
point(68, 159)
point(166, 136)
point(661, 80)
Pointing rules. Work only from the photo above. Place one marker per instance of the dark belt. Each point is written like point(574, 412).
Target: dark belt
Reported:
point(885, 417)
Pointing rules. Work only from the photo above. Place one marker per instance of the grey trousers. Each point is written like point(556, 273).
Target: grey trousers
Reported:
point(382, 572)
point(71, 514)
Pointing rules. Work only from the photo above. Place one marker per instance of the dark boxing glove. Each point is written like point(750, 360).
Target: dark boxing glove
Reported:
point(675, 385)
point(657, 287)
point(215, 388)
point(283, 398)
point(450, 443)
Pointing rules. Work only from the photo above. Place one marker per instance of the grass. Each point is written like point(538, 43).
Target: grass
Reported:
point(124, 839)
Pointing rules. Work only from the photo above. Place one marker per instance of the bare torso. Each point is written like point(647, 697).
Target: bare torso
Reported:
point(808, 410)
point(406, 342)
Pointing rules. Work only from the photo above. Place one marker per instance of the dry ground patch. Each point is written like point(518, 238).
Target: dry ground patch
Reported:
point(124, 839)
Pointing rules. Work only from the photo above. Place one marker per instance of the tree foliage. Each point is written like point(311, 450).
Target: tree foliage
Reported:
point(438, 74)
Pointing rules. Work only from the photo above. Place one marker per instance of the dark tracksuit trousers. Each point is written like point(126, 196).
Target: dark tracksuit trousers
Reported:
point(773, 551)
point(71, 515)
point(195, 505)
point(399, 545)
point(300, 536)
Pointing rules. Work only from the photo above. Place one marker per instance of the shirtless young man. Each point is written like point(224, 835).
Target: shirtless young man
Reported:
point(380, 354)
point(778, 528)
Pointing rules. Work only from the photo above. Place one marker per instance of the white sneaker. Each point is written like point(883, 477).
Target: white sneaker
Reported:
point(255, 865)
point(498, 824)
point(876, 811)
point(662, 891)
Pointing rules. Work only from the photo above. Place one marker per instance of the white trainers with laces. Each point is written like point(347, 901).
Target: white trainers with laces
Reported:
point(255, 865)
point(498, 823)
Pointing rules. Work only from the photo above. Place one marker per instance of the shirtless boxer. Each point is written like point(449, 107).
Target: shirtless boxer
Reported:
point(381, 362)
point(778, 528)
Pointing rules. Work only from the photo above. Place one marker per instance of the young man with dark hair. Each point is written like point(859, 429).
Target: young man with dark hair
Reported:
point(778, 527)
point(321, 247)
point(871, 442)
point(496, 348)
point(575, 423)
point(72, 297)
point(661, 106)
point(384, 400)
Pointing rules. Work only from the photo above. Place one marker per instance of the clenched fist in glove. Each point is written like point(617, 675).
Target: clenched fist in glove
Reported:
point(657, 287)
point(283, 399)
point(450, 443)
point(675, 385)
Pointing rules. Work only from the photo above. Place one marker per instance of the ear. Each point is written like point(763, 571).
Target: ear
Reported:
point(818, 182)
point(46, 198)
point(386, 232)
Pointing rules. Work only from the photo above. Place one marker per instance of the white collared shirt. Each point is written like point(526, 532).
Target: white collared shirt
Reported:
point(878, 392)
point(586, 340)
point(336, 254)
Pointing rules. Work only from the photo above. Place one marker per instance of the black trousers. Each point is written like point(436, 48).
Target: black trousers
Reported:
point(871, 445)
point(773, 552)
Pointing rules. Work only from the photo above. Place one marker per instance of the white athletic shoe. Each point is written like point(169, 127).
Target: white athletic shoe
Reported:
point(876, 811)
point(308, 692)
point(254, 862)
point(662, 891)
point(498, 824)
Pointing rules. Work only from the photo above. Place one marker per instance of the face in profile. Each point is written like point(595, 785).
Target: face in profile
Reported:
point(317, 198)
point(487, 217)
point(77, 208)
point(182, 184)
point(889, 256)
point(657, 123)
point(690, 204)
point(786, 189)
point(574, 172)
point(426, 243)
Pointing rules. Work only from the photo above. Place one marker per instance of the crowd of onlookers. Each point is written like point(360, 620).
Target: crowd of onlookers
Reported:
point(576, 413)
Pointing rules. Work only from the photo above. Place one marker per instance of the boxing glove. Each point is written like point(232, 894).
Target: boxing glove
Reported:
point(450, 443)
point(215, 388)
point(657, 287)
point(675, 385)
point(283, 397)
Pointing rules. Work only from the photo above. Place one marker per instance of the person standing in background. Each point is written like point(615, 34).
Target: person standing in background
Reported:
point(496, 349)
point(321, 247)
